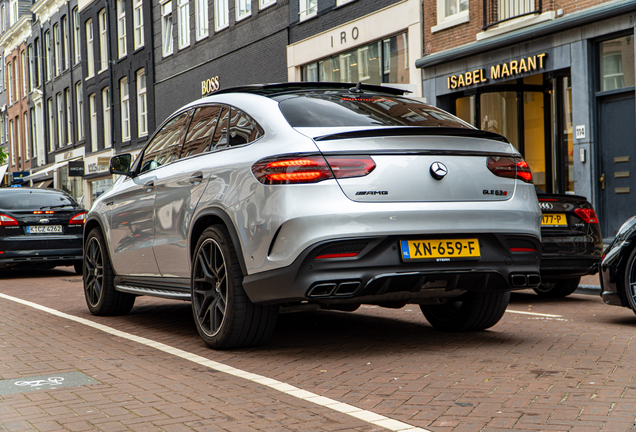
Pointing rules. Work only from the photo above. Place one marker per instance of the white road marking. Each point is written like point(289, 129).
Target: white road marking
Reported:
point(535, 314)
point(364, 415)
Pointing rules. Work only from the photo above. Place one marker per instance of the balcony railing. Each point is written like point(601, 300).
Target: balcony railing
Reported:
point(499, 11)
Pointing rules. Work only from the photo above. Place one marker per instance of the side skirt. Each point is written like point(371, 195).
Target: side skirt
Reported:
point(173, 288)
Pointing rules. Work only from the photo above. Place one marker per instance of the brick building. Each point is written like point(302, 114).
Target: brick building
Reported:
point(556, 77)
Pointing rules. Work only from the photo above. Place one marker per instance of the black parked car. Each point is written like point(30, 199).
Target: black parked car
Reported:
point(618, 268)
point(571, 243)
point(40, 227)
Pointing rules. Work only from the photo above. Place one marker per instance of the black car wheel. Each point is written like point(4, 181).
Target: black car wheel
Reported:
point(79, 267)
point(469, 312)
point(99, 289)
point(558, 287)
point(629, 281)
point(224, 315)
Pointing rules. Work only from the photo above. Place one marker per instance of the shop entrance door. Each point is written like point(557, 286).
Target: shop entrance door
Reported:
point(617, 179)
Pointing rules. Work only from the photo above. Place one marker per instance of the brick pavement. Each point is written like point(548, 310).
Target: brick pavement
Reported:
point(532, 373)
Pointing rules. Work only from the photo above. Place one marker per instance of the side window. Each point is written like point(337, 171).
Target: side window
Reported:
point(200, 132)
point(165, 146)
point(220, 134)
point(243, 129)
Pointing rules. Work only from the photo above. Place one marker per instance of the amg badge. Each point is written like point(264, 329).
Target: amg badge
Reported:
point(372, 193)
point(495, 192)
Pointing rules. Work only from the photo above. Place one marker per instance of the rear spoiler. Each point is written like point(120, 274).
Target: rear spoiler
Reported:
point(413, 131)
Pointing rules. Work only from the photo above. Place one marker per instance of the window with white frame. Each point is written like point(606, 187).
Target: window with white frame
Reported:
point(2, 134)
point(106, 116)
point(13, 10)
point(221, 14)
point(307, 9)
point(166, 28)
point(121, 28)
point(1, 72)
point(68, 103)
point(79, 106)
point(142, 107)
point(60, 119)
point(37, 61)
point(12, 141)
point(262, 4)
point(138, 24)
point(93, 116)
point(27, 143)
point(18, 139)
point(25, 80)
point(125, 109)
point(342, 2)
point(51, 123)
point(90, 55)
point(103, 41)
point(450, 13)
point(3, 19)
point(201, 18)
point(47, 53)
point(57, 53)
point(31, 61)
point(76, 36)
point(183, 22)
point(243, 8)
point(10, 83)
point(35, 133)
point(65, 43)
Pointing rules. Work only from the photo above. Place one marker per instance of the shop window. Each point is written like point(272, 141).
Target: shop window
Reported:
point(201, 129)
point(534, 136)
point(616, 58)
point(498, 112)
point(465, 109)
point(166, 28)
point(99, 187)
point(384, 61)
point(164, 147)
point(73, 185)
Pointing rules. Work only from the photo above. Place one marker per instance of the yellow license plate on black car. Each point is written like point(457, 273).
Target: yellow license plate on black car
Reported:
point(439, 249)
point(554, 220)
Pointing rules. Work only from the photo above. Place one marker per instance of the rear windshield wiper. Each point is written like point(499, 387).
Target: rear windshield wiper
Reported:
point(57, 206)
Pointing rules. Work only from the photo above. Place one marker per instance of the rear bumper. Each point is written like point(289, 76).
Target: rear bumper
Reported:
point(557, 267)
point(378, 274)
point(50, 256)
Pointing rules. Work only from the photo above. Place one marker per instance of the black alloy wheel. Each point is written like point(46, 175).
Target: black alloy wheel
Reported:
point(223, 314)
point(471, 311)
point(629, 280)
point(557, 288)
point(99, 289)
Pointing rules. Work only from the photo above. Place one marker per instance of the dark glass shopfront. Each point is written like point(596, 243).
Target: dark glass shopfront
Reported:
point(535, 114)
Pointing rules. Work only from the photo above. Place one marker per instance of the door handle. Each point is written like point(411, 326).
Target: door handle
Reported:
point(602, 180)
point(149, 186)
point(196, 178)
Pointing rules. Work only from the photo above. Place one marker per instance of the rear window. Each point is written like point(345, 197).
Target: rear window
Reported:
point(35, 200)
point(335, 108)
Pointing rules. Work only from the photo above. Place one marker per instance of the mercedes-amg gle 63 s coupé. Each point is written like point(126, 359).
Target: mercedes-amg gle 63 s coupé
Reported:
point(277, 197)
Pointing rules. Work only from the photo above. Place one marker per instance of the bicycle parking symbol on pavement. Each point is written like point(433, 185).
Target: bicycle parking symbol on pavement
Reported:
point(46, 382)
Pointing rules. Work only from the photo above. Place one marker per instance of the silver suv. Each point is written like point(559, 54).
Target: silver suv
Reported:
point(281, 197)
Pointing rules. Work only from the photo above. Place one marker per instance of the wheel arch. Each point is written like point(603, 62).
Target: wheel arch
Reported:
point(216, 216)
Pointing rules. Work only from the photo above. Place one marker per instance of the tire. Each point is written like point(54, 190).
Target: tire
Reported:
point(471, 311)
point(559, 288)
point(79, 267)
point(99, 289)
point(629, 280)
point(223, 314)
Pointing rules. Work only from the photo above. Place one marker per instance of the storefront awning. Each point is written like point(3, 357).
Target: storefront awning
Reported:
point(45, 171)
point(3, 170)
point(45, 184)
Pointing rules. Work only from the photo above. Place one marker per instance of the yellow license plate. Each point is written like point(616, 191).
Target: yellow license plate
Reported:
point(554, 220)
point(440, 249)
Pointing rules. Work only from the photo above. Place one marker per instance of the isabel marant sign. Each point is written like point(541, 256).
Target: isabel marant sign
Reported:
point(501, 70)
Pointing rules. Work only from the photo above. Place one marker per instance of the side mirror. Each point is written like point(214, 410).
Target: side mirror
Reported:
point(120, 164)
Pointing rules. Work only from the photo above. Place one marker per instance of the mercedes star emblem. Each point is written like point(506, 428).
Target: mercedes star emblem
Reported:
point(438, 170)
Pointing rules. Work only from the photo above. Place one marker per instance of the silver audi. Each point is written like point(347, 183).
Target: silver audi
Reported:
point(281, 197)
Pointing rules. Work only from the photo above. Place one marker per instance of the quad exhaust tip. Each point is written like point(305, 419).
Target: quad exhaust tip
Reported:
point(329, 289)
point(525, 280)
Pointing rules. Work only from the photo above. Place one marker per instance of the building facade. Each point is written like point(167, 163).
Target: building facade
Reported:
point(4, 143)
point(118, 92)
point(373, 42)
point(554, 77)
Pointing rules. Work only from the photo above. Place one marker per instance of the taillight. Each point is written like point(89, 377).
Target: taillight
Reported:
point(310, 169)
point(514, 168)
point(78, 219)
point(350, 166)
point(7, 220)
point(587, 214)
